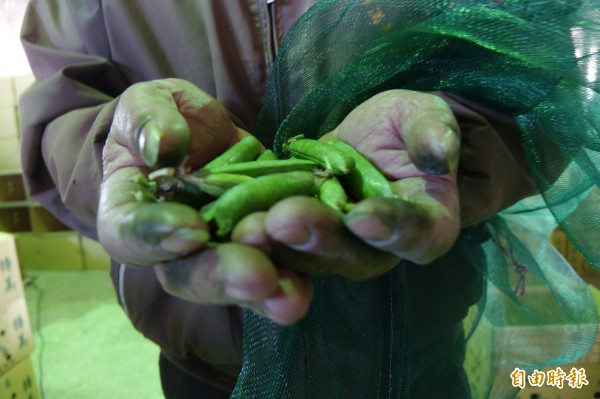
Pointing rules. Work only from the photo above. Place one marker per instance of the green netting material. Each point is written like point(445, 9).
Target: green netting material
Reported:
point(455, 329)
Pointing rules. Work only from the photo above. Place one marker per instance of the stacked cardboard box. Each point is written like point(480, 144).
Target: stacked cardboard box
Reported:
point(578, 380)
point(581, 379)
point(560, 240)
point(9, 131)
point(19, 382)
point(42, 240)
point(525, 343)
point(16, 339)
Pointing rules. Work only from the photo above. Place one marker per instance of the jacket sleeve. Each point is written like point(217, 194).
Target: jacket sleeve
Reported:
point(65, 116)
point(492, 171)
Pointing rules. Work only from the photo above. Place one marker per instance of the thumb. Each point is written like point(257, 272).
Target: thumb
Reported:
point(431, 136)
point(161, 146)
point(148, 122)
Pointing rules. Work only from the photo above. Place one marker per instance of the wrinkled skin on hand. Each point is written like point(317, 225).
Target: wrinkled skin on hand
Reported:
point(413, 138)
point(162, 123)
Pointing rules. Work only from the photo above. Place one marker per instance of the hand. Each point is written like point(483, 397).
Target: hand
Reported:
point(413, 139)
point(157, 124)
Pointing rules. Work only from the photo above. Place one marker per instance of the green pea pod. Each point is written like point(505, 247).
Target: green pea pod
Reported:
point(257, 195)
point(267, 155)
point(332, 193)
point(215, 184)
point(247, 149)
point(178, 189)
point(261, 168)
point(365, 180)
point(331, 159)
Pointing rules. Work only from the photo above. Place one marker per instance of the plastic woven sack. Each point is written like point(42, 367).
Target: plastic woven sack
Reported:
point(502, 298)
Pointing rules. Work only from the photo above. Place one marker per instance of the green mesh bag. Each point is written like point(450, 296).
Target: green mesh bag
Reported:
point(502, 298)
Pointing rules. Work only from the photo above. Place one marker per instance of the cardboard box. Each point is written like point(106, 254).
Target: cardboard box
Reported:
point(14, 217)
point(95, 257)
point(7, 92)
point(8, 122)
point(16, 338)
point(579, 263)
point(516, 342)
point(12, 187)
point(11, 283)
point(22, 83)
point(548, 339)
point(578, 390)
point(19, 382)
point(57, 250)
point(43, 221)
point(10, 153)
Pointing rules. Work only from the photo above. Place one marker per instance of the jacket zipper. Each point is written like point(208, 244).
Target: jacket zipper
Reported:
point(269, 31)
point(273, 29)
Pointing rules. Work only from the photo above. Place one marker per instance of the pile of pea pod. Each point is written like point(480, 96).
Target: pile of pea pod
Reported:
point(245, 179)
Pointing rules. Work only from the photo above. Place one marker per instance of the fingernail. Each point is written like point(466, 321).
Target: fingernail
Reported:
point(238, 293)
point(432, 163)
point(149, 142)
point(438, 157)
point(283, 308)
point(369, 227)
point(450, 143)
point(297, 235)
point(184, 240)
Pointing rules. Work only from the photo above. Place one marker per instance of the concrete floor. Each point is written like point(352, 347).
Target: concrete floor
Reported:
point(85, 347)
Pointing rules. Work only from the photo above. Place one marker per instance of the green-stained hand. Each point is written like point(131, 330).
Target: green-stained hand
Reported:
point(413, 138)
point(161, 123)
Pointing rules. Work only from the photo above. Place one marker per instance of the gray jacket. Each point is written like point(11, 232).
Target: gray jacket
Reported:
point(84, 54)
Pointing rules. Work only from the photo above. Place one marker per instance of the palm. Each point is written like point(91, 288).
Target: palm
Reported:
point(419, 225)
point(412, 138)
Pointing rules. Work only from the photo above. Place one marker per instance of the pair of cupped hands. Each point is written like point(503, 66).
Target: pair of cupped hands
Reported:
point(412, 137)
